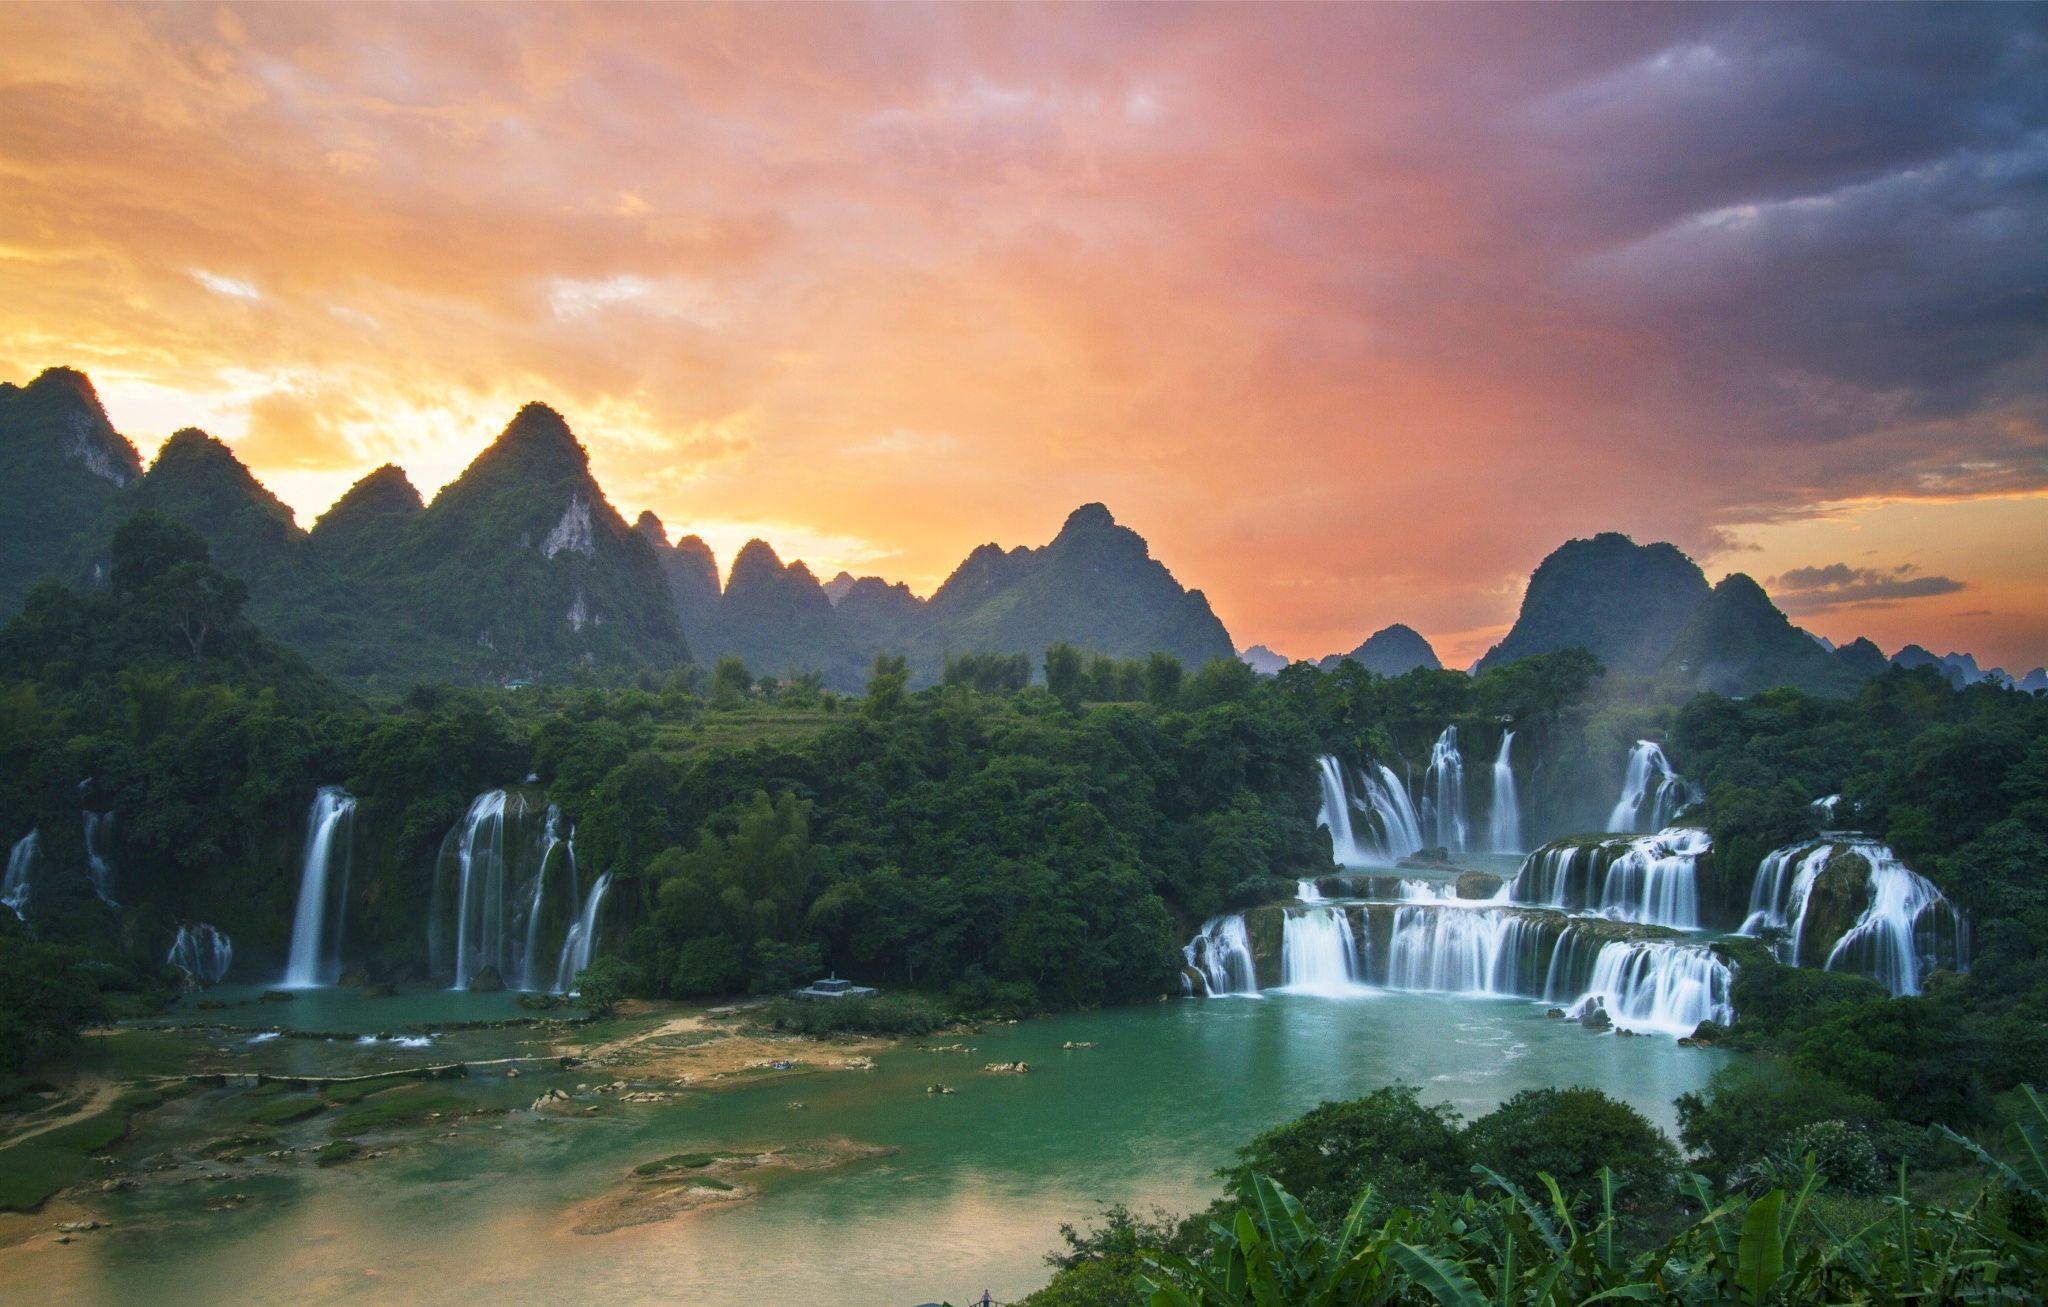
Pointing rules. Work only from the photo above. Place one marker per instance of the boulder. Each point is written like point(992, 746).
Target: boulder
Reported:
point(487, 981)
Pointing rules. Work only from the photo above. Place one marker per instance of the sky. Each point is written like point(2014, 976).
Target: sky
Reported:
point(1354, 312)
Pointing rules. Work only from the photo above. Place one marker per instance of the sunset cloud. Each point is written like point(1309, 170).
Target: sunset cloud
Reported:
point(1835, 585)
point(1355, 312)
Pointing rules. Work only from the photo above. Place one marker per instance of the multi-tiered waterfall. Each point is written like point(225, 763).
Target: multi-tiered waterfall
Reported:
point(202, 952)
point(1652, 795)
point(19, 883)
point(317, 924)
point(1652, 879)
point(1904, 929)
point(507, 897)
point(1370, 820)
point(1504, 831)
point(1443, 788)
point(1423, 942)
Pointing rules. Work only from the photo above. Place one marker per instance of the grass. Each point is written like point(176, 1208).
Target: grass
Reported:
point(355, 1091)
point(740, 727)
point(334, 1154)
point(677, 1162)
point(399, 1107)
point(35, 1169)
point(889, 1014)
point(229, 1147)
point(284, 1109)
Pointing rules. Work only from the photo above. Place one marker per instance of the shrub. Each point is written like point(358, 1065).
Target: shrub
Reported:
point(1571, 1134)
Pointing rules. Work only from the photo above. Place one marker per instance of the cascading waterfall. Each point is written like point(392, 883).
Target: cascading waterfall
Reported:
point(1651, 793)
point(1428, 944)
point(1505, 828)
point(21, 864)
point(1307, 891)
point(315, 957)
point(507, 897)
point(1651, 879)
point(1390, 828)
point(99, 862)
point(1654, 985)
point(1906, 929)
point(1441, 949)
point(1319, 953)
point(202, 952)
point(579, 947)
point(1444, 786)
point(1777, 898)
point(1222, 955)
point(555, 848)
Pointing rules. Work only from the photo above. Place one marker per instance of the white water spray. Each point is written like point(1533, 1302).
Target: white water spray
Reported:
point(21, 864)
point(317, 925)
point(1444, 784)
point(1505, 828)
point(1222, 955)
point(99, 862)
point(202, 952)
point(1319, 953)
point(1651, 793)
point(579, 947)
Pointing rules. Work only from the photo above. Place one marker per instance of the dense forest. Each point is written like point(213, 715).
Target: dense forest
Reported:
point(1021, 838)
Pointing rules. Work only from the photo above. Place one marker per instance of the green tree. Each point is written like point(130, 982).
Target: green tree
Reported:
point(1065, 674)
point(1572, 1135)
point(730, 682)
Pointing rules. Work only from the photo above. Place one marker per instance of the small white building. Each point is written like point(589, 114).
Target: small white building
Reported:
point(833, 987)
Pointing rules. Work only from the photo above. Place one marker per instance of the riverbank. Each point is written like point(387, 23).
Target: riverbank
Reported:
point(853, 1178)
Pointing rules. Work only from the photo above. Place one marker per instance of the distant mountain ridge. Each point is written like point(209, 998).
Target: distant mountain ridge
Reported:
point(1390, 651)
point(521, 568)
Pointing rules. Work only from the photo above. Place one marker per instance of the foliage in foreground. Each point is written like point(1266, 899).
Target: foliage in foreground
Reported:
point(1800, 1238)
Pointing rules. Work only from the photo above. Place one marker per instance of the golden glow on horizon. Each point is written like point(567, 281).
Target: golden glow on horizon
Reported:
point(882, 285)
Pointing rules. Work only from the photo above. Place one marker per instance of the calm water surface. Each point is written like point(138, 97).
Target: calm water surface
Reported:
point(972, 1199)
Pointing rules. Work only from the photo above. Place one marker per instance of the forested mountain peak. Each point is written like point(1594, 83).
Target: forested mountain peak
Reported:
point(60, 407)
point(1738, 642)
point(1624, 602)
point(1391, 651)
point(539, 434)
point(383, 501)
point(194, 471)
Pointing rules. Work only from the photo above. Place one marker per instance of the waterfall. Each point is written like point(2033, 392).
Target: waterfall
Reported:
point(1651, 879)
point(1335, 814)
point(1222, 955)
point(555, 848)
point(579, 947)
point(1391, 830)
point(1906, 929)
point(202, 952)
point(1319, 953)
point(315, 957)
point(1442, 949)
point(1444, 784)
point(1505, 828)
point(1885, 943)
point(1777, 898)
point(1424, 944)
point(1661, 987)
point(1651, 793)
point(506, 895)
point(99, 864)
point(21, 863)
point(1307, 891)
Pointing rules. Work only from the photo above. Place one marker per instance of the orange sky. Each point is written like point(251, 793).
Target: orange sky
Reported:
point(1353, 312)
